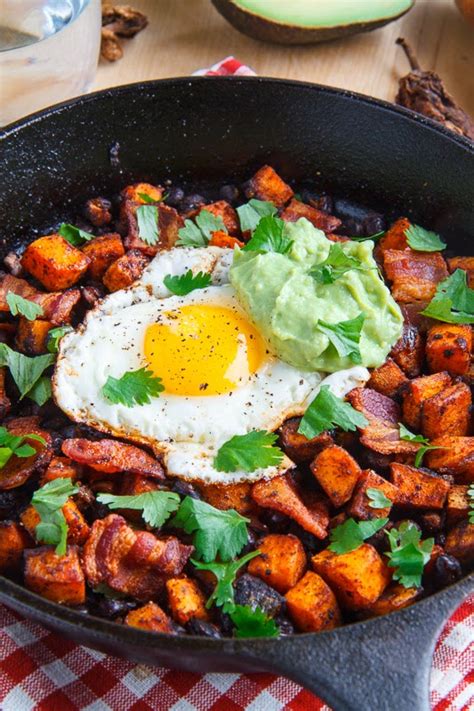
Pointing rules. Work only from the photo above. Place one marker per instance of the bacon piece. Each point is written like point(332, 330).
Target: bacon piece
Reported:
point(226, 212)
point(414, 275)
point(110, 456)
point(135, 563)
point(57, 306)
point(19, 469)
point(295, 210)
point(382, 433)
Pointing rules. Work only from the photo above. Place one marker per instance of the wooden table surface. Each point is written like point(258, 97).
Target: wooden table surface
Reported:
point(184, 35)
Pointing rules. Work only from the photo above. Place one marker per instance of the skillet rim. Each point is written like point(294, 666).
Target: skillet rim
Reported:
point(112, 631)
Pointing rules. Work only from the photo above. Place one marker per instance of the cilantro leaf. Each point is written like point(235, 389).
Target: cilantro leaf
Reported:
point(156, 506)
point(209, 223)
point(23, 307)
point(336, 264)
point(134, 387)
point(408, 554)
point(374, 238)
point(248, 452)
point(252, 623)
point(423, 240)
point(74, 235)
point(377, 498)
point(269, 237)
point(345, 336)
point(41, 391)
point(146, 198)
point(25, 371)
point(252, 212)
point(453, 301)
point(223, 594)
point(147, 221)
point(327, 411)
point(351, 534)
point(470, 496)
point(48, 502)
point(55, 335)
point(408, 436)
point(216, 532)
point(11, 444)
point(182, 285)
point(191, 236)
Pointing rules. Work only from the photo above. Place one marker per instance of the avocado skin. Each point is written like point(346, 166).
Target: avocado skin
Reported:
point(268, 30)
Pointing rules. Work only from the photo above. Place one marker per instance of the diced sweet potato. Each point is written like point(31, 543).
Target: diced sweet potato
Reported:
point(358, 578)
point(19, 469)
point(394, 238)
point(230, 496)
point(126, 270)
point(57, 578)
point(448, 347)
point(228, 215)
point(169, 223)
point(457, 505)
point(102, 252)
point(14, 539)
point(134, 191)
point(32, 336)
point(337, 473)
point(395, 597)
point(78, 530)
point(416, 394)
point(466, 264)
point(281, 563)
point(281, 495)
point(61, 468)
point(150, 617)
point(134, 485)
point(414, 275)
point(110, 456)
point(98, 211)
point(222, 239)
point(455, 456)
point(387, 379)
point(54, 262)
point(409, 351)
point(267, 185)
point(460, 542)
point(418, 488)
point(5, 402)
point(186, 600)
point(359, 506)
point(295, 210)
point(448, 411)
point(312, 604)
point(298, 447)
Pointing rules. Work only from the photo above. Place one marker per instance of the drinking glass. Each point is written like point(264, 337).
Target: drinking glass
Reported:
point(48, 53)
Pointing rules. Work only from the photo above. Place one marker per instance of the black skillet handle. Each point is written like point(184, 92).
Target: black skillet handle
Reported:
point(381, 665)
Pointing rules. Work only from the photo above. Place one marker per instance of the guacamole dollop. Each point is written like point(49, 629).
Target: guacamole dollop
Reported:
point(286, 303)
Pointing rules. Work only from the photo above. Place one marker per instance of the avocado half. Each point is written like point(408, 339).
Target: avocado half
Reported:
point(307, 21)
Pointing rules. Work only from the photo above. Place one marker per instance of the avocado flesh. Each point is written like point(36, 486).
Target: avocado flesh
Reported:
point(304, 21)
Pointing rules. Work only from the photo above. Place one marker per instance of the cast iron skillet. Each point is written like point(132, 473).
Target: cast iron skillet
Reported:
point(222, 129)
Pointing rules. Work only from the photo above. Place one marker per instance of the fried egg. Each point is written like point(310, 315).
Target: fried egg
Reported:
point(219, 377)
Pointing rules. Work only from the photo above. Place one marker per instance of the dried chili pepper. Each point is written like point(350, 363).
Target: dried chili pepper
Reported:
point(424, 92)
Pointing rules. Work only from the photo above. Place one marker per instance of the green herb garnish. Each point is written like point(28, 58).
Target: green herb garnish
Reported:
point(336, 264)
point(48, 502)
point(453, 301)
point(156, 506)
point(182, 285)
point(252, 623)
point(248, 452)
point(147, 221)
point(223, 594)
point(423, 240)
point(345, 336)
point(74, 235)
point(408, 436)
point(377, 499)
point(374, 238)
point(23, 307)
point(470, 496)
point(25, 371)
point(269, 237)
point(351, 534)
point(17, 445)
point(327, 411)
point(149, 200)
point(135, 387)
point(252, 212)
point(55, 335)
point(408, 554)
point(41, 391)
point(198, 234)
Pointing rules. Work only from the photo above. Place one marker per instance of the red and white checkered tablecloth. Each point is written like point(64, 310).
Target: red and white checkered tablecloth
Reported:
point(40, 671)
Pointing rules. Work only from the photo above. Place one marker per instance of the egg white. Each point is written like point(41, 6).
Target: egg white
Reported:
point(186, 431)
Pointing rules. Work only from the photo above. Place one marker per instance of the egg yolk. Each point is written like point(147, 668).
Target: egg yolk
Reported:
point(203, 350)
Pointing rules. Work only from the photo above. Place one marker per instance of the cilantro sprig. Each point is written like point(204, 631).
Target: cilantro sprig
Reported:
point(408, 436)
point(216, 532)
point(55, 335)
point(351, 534)
point(423, 240)
point(147, 221)
point(74, 235)
point(269, 237)
point(327, 411)
point(156, 506)
point(254, 450)
point(198, 233)
point(24, 370)
point(251, 622)
point(186, 283)
point(23, 307)
point(408, 554)
point(135, 387)
point(377, 499)
point(345, 336)
point(252, 212)
point(223, 593)
point(336, 264)
point(48, 502)
point(374, 238)
point(470, 496)
point(453, 301)
point(17, 445)
point(149, 200)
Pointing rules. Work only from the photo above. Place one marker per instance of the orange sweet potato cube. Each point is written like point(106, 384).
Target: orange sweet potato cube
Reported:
point(228, 215)
point(125, 270)
point(267, 185)
point(298, 447)
point(358, 578)
point(337, 473)
point(447, 412)
point(32, 336)
point(414, 275)
point(61, 468)
point(295, 210)
point(460, 542)
point(220, 238)
point(136, 190)
point(387, 379)
point(448, 347)
point(281, 563)
point(359, 506)
point(13, 541)
point(457, 504)
point(418, 488)
point(417, 392)
point(395, 237)
point(54, 262)
point(395, 597)
point(186, 600)
point(78, 529)
point(230, 496)
point(455, 456)
point(466, 264)
point(409, 351)
point(102, 252)
point(57, 578)
point(312, 604)
point(152, 618)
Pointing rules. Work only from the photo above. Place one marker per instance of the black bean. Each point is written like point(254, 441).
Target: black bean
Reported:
point(285, 625)
point(174, 196)
point(11, 502)
point(230, 193)
point(110, 607)
point(276, 521)
point(255, 593)
point(358, 221)
point(320, 201)
point(96, 511)
point(432, 522)
point(446, 570)
point(251, 543)
point(192, 202)
point(310, 543)
point(184, 488)
point(13, 263)
point(374, 224)
point(203, 628)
